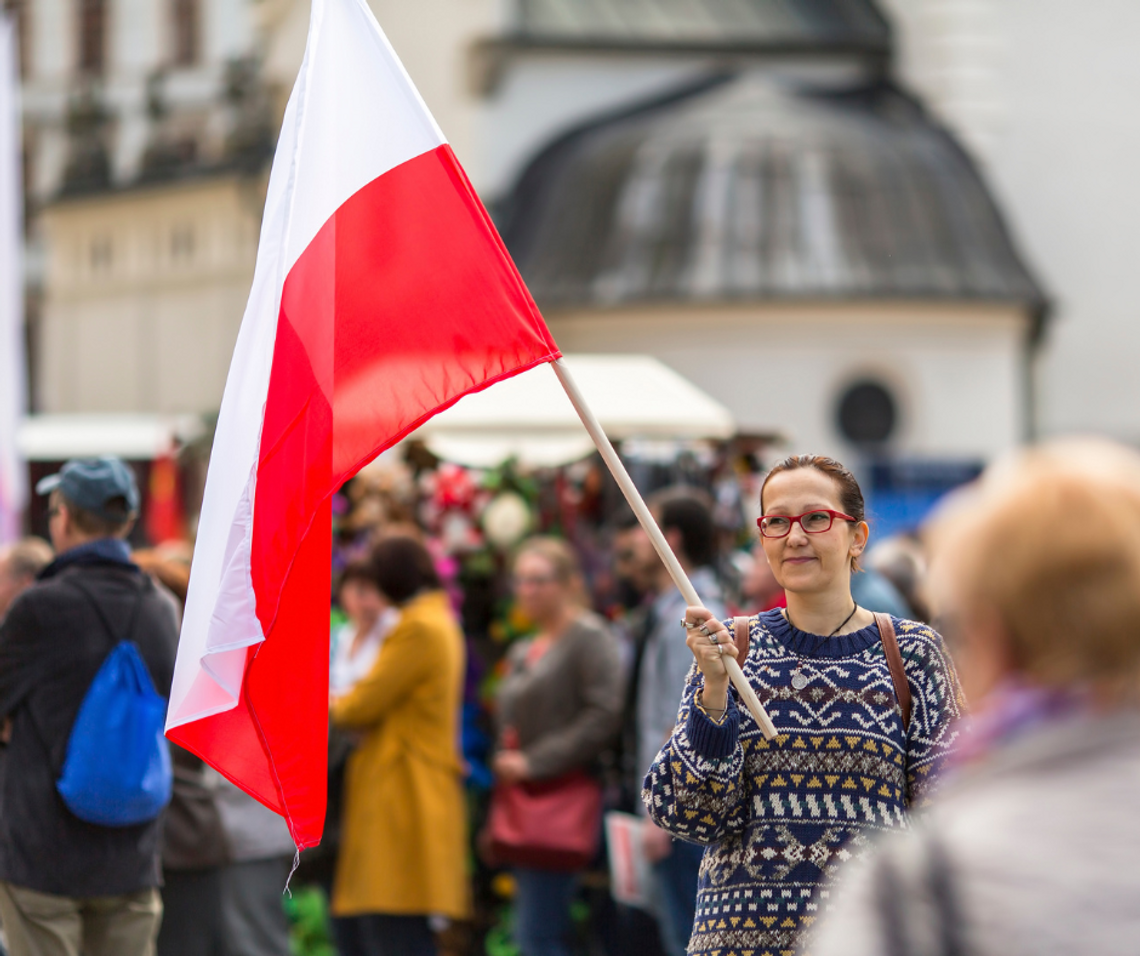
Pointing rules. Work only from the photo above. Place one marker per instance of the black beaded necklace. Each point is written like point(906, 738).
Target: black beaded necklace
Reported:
point(799, 679)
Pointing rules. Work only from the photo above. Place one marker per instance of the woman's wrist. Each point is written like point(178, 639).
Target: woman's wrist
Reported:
point(713, 699)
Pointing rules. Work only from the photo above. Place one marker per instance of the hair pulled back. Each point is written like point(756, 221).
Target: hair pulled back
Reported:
point(850, 494)
point(563, 561)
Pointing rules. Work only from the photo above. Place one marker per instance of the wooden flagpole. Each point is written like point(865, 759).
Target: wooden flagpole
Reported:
point(649, 523)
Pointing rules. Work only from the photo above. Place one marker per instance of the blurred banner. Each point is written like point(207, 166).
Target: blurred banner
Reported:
point(13, 473)
point(164, 518)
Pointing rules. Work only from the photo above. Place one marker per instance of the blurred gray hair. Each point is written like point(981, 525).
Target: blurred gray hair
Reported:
point(27, 557)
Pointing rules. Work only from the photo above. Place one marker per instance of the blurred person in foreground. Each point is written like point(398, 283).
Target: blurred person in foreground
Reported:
point(194, 846)
point(1032, 847)
point(777, 817)
point(20, 565)
point(661, 664)
point(259, 856)
point(558, 709)
point(225, 857)
point(67, 886)
point(403, 846)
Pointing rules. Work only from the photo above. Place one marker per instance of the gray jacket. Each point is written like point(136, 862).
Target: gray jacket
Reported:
point(566, 706)
point(665, 663)
point(1034, 852)
point(253, 831)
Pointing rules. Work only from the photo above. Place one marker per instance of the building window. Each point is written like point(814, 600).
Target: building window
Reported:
point(867, 413)
point(92, 36)
point(185, 22)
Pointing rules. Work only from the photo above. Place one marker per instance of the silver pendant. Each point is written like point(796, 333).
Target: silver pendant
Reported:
point(799, 681)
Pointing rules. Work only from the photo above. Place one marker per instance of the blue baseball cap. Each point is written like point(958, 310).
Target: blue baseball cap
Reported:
point(90, 483)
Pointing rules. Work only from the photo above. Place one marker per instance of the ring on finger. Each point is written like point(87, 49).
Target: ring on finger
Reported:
point(714, 638)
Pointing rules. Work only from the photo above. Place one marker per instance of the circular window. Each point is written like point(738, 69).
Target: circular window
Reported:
point(867, 413)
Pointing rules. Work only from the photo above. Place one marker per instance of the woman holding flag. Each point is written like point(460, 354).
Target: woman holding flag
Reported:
point(863, 728)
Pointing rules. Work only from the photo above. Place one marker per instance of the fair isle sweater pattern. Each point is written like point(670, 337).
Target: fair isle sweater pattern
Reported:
point(778, 817)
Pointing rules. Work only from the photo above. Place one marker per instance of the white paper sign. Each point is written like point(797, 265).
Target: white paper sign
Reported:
point(629, 870)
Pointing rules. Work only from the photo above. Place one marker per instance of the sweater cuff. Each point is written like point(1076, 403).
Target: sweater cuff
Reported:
point(711, 740)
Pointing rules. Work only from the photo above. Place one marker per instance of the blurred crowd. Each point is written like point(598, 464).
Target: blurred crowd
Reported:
point(498, 646)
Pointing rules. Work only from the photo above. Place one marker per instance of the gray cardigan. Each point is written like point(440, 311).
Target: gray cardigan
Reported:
point(566, 707)
point(1040, 842)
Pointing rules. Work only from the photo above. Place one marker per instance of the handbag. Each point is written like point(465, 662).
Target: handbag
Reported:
point(551, 824)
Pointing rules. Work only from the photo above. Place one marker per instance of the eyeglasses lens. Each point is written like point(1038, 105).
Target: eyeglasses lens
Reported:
point(775, 527)
point(817, 522)
point(814, 522)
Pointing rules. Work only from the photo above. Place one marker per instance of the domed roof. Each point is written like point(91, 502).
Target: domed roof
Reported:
point(749, 188)
point(819, 25)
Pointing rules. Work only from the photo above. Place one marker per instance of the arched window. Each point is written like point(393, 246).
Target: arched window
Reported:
point(184, 16)
point(92, 36)
point(867, 413)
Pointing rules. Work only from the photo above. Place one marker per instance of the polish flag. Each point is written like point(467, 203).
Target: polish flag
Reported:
point(382, 294)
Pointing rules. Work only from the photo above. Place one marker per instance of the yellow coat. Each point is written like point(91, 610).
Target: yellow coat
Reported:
point(404, 838)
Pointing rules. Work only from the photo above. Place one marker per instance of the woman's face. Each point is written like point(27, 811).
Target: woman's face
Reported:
point(539, 593)
point(810, 563)
point(362, 602)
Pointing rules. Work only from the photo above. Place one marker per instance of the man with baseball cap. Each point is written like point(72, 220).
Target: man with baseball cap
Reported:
point(67, 886)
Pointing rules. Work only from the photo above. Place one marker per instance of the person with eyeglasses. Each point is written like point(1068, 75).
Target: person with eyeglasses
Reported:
point(557, 710)
point(865, 708)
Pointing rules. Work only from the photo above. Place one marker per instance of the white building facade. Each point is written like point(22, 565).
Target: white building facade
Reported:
point(146, 132)
point(1045, 94)
point(147, 267)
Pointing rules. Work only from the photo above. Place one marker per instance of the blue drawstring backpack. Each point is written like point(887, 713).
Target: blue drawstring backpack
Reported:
point(117, 771)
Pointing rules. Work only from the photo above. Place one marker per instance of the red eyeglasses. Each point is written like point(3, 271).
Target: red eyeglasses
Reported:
point(813, 522)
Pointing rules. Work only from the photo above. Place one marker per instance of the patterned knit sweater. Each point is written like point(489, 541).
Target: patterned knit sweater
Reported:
point(779, 816)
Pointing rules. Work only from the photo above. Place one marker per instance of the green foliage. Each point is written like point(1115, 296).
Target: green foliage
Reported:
point(499, 941)
point(307, 910)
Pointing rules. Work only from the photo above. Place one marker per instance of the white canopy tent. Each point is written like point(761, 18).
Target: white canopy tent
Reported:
point(82, 435)
point(529, 417)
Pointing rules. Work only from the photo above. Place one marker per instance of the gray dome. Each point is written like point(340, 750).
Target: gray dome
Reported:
point(853, 25)
point(746, 188)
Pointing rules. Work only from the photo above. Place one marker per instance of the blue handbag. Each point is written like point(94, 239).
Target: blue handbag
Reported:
point(117, 771)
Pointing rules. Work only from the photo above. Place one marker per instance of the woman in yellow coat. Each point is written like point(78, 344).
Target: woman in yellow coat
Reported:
point(403, 844)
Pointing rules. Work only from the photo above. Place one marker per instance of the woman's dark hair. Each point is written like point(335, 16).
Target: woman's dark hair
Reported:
point(690, 511)
point(402, 568)
point(850, 494)
point(358, 569)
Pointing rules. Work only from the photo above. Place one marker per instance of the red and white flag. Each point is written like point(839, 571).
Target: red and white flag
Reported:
point(382, 294)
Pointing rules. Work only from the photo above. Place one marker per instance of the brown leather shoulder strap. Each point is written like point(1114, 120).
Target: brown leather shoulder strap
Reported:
point(895, 662)
point(740, 628)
